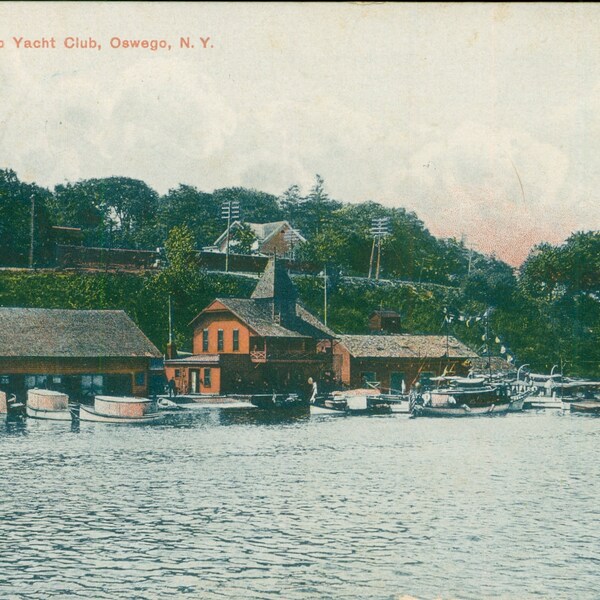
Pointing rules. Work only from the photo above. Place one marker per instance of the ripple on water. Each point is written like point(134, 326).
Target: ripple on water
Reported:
point(229, 504)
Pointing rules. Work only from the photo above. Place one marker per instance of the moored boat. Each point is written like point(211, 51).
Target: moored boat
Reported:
point(121, 409)
point(586, 406)
point(462, 397)
point(278, 401)
point(47, 404)
point(351, 402)
point(10, 407)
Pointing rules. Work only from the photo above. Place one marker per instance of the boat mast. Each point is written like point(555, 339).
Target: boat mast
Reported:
point(487, 341)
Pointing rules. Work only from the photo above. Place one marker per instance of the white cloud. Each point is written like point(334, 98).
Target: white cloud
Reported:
point(388, 103)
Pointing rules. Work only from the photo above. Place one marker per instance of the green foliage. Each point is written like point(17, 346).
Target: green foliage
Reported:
point(548, 313)
point(116, 212)
point(197, 210)
point(15, 221)
point(242, 238)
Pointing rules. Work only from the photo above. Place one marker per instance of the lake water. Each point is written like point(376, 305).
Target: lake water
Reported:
point(232, 503)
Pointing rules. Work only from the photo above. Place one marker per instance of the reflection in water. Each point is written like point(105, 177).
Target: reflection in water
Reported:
point(240, 503)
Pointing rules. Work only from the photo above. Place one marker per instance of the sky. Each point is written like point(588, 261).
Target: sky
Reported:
point(483, 119)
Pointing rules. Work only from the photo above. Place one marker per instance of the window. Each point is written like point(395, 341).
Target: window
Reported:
point(57, 379)
point(236, 340)
point(4, 379)
point(205, 340)
point(140, 379)
point(177, 372)
point(220, 340)
point(92, 384)
point(35, 381)
point(206, 382)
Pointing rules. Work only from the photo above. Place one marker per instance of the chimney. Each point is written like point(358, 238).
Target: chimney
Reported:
point(385, 322)
point(171, 351)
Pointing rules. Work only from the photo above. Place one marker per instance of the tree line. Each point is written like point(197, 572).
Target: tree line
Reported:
point(545, 313)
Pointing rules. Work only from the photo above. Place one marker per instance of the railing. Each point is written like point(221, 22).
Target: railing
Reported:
point(258, 355)
point(264, 356)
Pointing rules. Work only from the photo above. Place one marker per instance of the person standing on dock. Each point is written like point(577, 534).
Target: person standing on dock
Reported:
point(313, 395)
point(172, 388)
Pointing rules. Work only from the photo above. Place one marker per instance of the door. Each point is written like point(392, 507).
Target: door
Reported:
point(194, 381)
point(397, 385)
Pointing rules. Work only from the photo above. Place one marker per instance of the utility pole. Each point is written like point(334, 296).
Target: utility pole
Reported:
point(371, 259)
point(229, 210)
point(325, 295)
point(170, 320)
point(31, 231)
point(379, 229)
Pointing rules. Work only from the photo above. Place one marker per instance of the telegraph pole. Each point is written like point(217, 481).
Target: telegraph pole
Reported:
point(371, 259)
point(31, 231)
point(230, 210)
point(379, 229)
point(325, 296)
point(170, 320)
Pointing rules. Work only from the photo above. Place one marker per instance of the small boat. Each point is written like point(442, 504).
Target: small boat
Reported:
point(351, 402)
point(10, 407)
point(278, 401)
point(47, 404)
point(517, 402)
point(589, 406)
point(462, 397)
point(121, 409)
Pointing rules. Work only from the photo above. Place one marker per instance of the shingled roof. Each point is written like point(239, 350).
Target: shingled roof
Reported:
point(57, 333)
point(275, 283)
point(258, 315)
point(404, 346)
point(262, 231)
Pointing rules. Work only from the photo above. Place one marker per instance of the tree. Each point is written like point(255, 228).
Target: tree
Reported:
point(114, 211)
point(199, 211)
point(16, 201)
point(255, 206)
point(242, 239)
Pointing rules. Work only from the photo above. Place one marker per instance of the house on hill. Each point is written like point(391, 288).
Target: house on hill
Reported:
point(271, 238)
point(78, 352)
point(259, 344)
point(396, 362)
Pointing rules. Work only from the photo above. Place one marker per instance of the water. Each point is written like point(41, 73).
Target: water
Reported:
point(234, 504)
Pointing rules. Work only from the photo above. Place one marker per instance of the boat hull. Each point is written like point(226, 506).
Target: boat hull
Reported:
point(544, 402)
point(460, 411)
point(351, 405)
point(89, 414)
point(278, 401)
point(592, 407)
point(49, 415)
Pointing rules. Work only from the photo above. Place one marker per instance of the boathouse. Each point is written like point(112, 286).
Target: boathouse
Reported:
point(396, 362)
point(78, 352)
point(251, 345)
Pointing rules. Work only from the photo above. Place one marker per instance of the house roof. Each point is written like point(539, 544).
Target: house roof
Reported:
point(57, 333)
point(262, 231)
point(385, 313)
point(195, 359)
point(258, 315)
point(404, 346)
point(275, 283)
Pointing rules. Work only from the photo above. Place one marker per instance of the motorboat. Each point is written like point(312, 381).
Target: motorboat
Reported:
point(121, 409)
point(351, 402)
point(47, 404)
point(276, 401)
point(462, 397)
